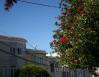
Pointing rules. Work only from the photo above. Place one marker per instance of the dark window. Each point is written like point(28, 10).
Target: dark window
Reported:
point(12, 50)
point(41, 60)
point(12, 71)
point(37, 59)
point(19, 51)
point(52, 67)
point(34, 58)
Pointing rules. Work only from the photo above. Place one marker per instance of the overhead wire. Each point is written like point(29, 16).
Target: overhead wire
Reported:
point(28, 2)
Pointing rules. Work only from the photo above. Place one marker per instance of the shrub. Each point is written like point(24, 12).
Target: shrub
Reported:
point(31, 71)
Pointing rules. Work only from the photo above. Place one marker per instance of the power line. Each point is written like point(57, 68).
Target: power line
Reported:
point(38, 4)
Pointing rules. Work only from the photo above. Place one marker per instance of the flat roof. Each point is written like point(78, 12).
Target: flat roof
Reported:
point(36, 51)
point(11, 38)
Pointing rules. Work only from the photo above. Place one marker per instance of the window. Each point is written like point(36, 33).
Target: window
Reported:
point(12, 70)
point(19, 51)
point(52, 67)
point(41, 60)
point(34, 58)
point(37, 59)
point(12, 50)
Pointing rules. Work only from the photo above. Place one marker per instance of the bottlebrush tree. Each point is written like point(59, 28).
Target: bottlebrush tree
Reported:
point(9, 4)
point(76, 39)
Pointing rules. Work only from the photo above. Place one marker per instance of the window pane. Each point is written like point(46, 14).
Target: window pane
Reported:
point(19, 51)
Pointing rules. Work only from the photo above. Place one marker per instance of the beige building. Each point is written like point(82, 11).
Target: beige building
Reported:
point(36, 56)
point(11, 49)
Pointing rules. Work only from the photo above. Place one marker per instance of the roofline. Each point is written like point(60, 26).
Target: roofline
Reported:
point(13, 38)
point(36, 51)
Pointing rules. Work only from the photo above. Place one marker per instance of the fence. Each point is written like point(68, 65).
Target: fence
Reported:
point(66, 72)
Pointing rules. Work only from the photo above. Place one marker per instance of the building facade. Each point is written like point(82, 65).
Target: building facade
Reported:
point(36, 56)
point(10, 49)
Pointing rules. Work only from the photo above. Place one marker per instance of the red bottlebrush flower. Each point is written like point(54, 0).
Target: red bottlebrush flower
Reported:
point(79, 9)
point(64, 40)
point(54, 41)
point(69, 10)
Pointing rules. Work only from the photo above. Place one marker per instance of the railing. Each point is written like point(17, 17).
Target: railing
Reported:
point(66, 72)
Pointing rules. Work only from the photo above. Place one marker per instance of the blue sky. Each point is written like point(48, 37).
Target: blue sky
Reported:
point(32, 22)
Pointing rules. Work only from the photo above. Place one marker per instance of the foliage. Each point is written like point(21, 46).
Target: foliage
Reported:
point(31, 71)
point(9, 4)
point(76, 39)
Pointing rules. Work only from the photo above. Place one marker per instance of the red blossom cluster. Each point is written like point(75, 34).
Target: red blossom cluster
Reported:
point(64, 40)
point(80, 10)
point(68, 11)
point(68, 18)
point(54, 41)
